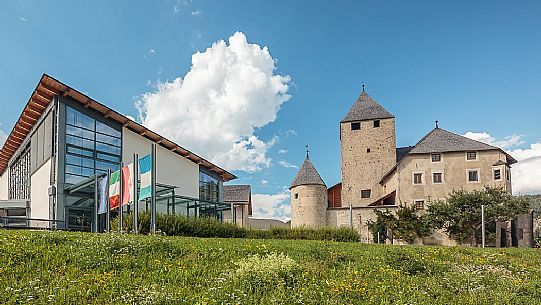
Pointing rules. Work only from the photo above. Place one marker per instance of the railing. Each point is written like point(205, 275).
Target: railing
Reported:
point(21, 222)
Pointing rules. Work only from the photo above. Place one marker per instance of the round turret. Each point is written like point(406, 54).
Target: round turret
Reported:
point(308, 197)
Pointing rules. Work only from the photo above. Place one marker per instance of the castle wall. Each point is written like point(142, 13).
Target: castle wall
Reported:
point(454, 167)
point(308, 206)
point(340, 217)
point(363, 169)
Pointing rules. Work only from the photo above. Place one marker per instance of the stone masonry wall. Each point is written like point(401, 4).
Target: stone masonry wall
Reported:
point(308, 206)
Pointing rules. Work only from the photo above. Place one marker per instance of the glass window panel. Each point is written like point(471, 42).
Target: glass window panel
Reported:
point(108, 157)
point(80, 132)
point(100, 127)
point(108, 148)
point(76, 118)
point(73, 169)
point(73, 179)
point(106, 165)
point(107, 139)
point(80, 161)
point(80, 151)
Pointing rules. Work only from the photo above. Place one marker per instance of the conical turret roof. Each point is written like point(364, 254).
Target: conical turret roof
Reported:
point(366, 108)
point(307, 175)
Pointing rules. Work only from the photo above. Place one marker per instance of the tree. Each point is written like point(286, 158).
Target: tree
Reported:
point(460, 215)
point(405, 224)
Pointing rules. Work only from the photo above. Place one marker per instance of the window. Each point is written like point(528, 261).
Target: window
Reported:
point(419, 205)
point(356, 126)
point(473, 175)
point(436, 157)
point(437, 178)
point(91, 147)
point(208, 188)
point(508, 174)
point(376, 123)
point(497, 174)
point(417, 178)
point(471, 155)
point(365, 193)
point(368, 150)
point(296, 196)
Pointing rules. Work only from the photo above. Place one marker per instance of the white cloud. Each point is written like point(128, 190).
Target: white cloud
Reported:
point(291, 133)
point(196, 13)
point(283, 151)
point(230, 91)
point(3, 137)
point(286, 164)
point(264, 182)
point(272, 206)
point(526, 174)
point(23, 19)
point(507, 142)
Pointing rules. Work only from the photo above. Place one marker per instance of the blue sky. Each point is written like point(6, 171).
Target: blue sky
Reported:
point(474, 66)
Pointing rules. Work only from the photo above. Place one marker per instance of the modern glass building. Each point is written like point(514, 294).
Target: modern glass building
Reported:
point(63, 139)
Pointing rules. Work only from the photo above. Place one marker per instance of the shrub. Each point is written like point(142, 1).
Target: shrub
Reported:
point(180, 225)
point(259, 271)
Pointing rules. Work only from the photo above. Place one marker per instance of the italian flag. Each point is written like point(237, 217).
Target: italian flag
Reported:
point(114, 190)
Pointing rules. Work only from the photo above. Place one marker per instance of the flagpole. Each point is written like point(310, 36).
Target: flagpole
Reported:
point(108, 205)
point(135, 182)
point(120, 207)
point(96, 203)
point(153, 191)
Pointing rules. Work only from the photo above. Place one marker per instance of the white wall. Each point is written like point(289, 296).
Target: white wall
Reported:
point(4, 184)
point(173, 169)
point(39, 198)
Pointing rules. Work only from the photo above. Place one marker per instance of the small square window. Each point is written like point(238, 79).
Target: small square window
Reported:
point(497, 174)
point(437, 177)
point(419, 205)
point(296, 196)
point(368, 150)
point(365, 193)
point(417, 178)
point(473, 176)
point(376, 123)
point(356, 126)
point(436, 157)
point(471, 155)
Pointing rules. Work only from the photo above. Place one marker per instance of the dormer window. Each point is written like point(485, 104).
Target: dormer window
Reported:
point(376, 123)
point(356, 126)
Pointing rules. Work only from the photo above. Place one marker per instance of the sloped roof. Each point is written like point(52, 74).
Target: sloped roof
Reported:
point(440, 140)
point(366, 108)
point(48, 87)
point(401, 152)
point(307, 175)
point(237, 193)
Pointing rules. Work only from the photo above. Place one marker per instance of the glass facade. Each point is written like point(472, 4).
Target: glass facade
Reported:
point(91, 147)
point(208, 188)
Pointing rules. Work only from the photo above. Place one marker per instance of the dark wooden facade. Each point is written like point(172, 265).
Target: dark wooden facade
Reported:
point(334, 196)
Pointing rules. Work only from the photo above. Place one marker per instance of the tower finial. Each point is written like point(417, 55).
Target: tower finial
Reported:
point(363, 85)
point(437, 124)
point(307, 156)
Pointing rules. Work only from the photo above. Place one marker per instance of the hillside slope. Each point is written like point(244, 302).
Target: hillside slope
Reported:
point(84, 268)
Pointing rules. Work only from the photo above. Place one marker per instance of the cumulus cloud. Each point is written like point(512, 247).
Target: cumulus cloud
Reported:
point(272, 206)
point(230, 91)
point(526, 174)
point(282, 151)
point(263, 182)
point(286, 164)
point(3, 137)
point(507, 142)
point(291, 133)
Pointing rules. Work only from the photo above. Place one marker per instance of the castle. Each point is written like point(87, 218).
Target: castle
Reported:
point(378, 175)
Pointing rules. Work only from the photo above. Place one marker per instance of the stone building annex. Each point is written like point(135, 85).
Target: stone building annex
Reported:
point(378, 175)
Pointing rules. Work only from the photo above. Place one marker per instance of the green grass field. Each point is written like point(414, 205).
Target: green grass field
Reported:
point(82, 268)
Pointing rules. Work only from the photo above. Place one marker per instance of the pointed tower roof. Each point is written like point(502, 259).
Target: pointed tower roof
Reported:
point(366, 108)
point(307, 175)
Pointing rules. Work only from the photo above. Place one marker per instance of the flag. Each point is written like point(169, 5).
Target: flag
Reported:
point(130, 182)
point(145, 166)
point(114, 189)
point(126, 176)
point(102, 195)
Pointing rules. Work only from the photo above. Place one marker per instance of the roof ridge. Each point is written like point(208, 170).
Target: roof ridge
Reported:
point(366, 107)
point(307, 175)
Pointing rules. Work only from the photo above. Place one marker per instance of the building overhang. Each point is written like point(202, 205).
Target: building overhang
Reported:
point(48, 87)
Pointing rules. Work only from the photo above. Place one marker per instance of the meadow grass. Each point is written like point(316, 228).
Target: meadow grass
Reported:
point(45, 267)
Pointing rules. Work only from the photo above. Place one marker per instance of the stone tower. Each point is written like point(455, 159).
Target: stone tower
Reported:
point(308, 197)
point(368, 147)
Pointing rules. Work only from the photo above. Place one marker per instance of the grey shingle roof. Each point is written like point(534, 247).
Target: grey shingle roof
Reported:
point(307, 175)
point(366, 108)
point(401, 152)
point(237, 193)
point(439, 140)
